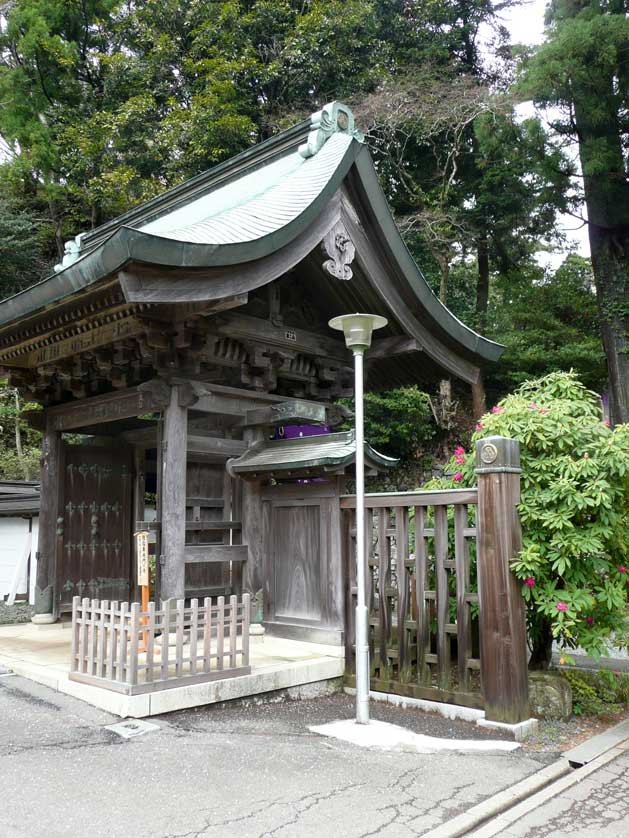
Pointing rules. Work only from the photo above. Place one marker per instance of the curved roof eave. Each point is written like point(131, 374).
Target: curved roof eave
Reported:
point(127, 244)
point(467, 338)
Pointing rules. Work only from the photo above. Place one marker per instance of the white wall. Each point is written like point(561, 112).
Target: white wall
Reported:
point(13, 536)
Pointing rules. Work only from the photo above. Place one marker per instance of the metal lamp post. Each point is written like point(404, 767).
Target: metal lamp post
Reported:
point(358, 329)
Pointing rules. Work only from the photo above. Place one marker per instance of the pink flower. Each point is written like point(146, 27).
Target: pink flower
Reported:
point(497, 409)
point(530, 581)
point(459, 451)
point(607, 423)
point(589, 620)
point(622, 568)
point(532, 406)
point(561, 606)
point(458, 476)
point(543, 410)
point(480, 426)
point(460, 459)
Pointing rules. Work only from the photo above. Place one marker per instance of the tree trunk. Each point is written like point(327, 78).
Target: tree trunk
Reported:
point(479, 400)
point(610, 263)
point(607, 200)
point(482, 285)
point(542, 651)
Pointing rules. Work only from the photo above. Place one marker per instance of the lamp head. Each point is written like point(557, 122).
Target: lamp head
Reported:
point(358, 328)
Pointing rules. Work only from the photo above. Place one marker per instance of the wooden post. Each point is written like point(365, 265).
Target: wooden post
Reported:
point(45, 603)
point(173, 500)
point(502, 614)
point(252, 534)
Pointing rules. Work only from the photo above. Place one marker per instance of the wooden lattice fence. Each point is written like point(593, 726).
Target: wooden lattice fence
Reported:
point(423, 637)
point(446, 616)
point(117, 646)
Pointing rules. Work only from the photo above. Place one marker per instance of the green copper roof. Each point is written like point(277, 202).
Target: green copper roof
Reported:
point(325, 452)
point(249, 208)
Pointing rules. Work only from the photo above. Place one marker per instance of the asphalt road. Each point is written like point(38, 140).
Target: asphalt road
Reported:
point(246, 771)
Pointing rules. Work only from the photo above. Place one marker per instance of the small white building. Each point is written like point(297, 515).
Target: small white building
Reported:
point(19, 525)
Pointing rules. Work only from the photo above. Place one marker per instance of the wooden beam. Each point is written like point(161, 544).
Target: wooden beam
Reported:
point(122, 404)
point(289, 411)
point(70, 347)
point(214, 553)
point(398, 345)
point(216, 446)
point(255, 329)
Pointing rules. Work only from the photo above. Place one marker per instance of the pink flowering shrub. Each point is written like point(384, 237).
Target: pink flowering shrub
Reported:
point(574, 511)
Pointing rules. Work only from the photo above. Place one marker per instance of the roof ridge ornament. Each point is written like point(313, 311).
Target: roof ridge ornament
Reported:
point(333, 118)
point(72, 252)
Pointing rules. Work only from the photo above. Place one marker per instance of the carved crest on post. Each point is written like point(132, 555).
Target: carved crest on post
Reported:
point(340, 249)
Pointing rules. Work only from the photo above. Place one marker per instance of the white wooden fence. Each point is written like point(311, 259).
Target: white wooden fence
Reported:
point(117, 646)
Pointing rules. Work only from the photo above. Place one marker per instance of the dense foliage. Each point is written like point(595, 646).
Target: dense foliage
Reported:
point(20, 446)
point(107, 103)
point(398, 422)
point(574, 511)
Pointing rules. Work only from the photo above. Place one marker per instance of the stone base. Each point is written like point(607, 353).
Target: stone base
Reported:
point(43, 619)
point(256, 630)
point(550, 695)
point(519, 731)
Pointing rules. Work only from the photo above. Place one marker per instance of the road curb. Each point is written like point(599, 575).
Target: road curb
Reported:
point(503, 821)
point(501, 810)
point(502, 801)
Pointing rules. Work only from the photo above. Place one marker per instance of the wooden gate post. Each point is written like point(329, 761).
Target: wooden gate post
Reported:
point(45, 599)
point(173, 501)
point(502, 619)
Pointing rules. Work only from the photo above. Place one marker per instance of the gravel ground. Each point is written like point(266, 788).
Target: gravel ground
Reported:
point(296, 716)
point(559, 736)
point(19, 613)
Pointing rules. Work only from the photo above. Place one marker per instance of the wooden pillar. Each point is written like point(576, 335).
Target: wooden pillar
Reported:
point(173, 497)
point(252, 534)
point(45, 600)
point(502, 611)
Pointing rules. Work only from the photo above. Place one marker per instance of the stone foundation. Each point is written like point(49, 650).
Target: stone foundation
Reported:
point(550, 695)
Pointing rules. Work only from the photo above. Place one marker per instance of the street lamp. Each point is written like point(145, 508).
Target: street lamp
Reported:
point(358, 329)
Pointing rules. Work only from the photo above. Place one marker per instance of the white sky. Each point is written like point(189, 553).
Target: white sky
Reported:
point(526, 25)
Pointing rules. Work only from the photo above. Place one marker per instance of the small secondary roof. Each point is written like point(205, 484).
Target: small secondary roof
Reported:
point(321, 453)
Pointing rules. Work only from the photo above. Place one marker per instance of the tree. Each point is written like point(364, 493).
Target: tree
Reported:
point(548, 322)
point(583, 69)
point(21, 257)
point(574, 511)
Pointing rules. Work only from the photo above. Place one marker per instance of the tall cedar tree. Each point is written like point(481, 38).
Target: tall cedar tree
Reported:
point(584, 69)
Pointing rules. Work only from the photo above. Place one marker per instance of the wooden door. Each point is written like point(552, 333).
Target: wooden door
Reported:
point(297, 562)
point(94, 524)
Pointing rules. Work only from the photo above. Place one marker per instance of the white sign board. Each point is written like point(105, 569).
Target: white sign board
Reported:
point(142, 554)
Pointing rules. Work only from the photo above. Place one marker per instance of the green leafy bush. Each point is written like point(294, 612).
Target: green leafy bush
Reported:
point(597, 693)
point(574, 511)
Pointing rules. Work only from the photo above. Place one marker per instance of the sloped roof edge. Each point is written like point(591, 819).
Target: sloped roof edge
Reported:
point(322, 451)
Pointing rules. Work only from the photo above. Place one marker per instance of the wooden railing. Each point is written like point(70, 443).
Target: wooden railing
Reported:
point(117, 646)
point(446, 614)
point(420, 593)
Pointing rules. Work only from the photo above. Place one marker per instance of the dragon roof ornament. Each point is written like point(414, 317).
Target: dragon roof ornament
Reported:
point(333, 118)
